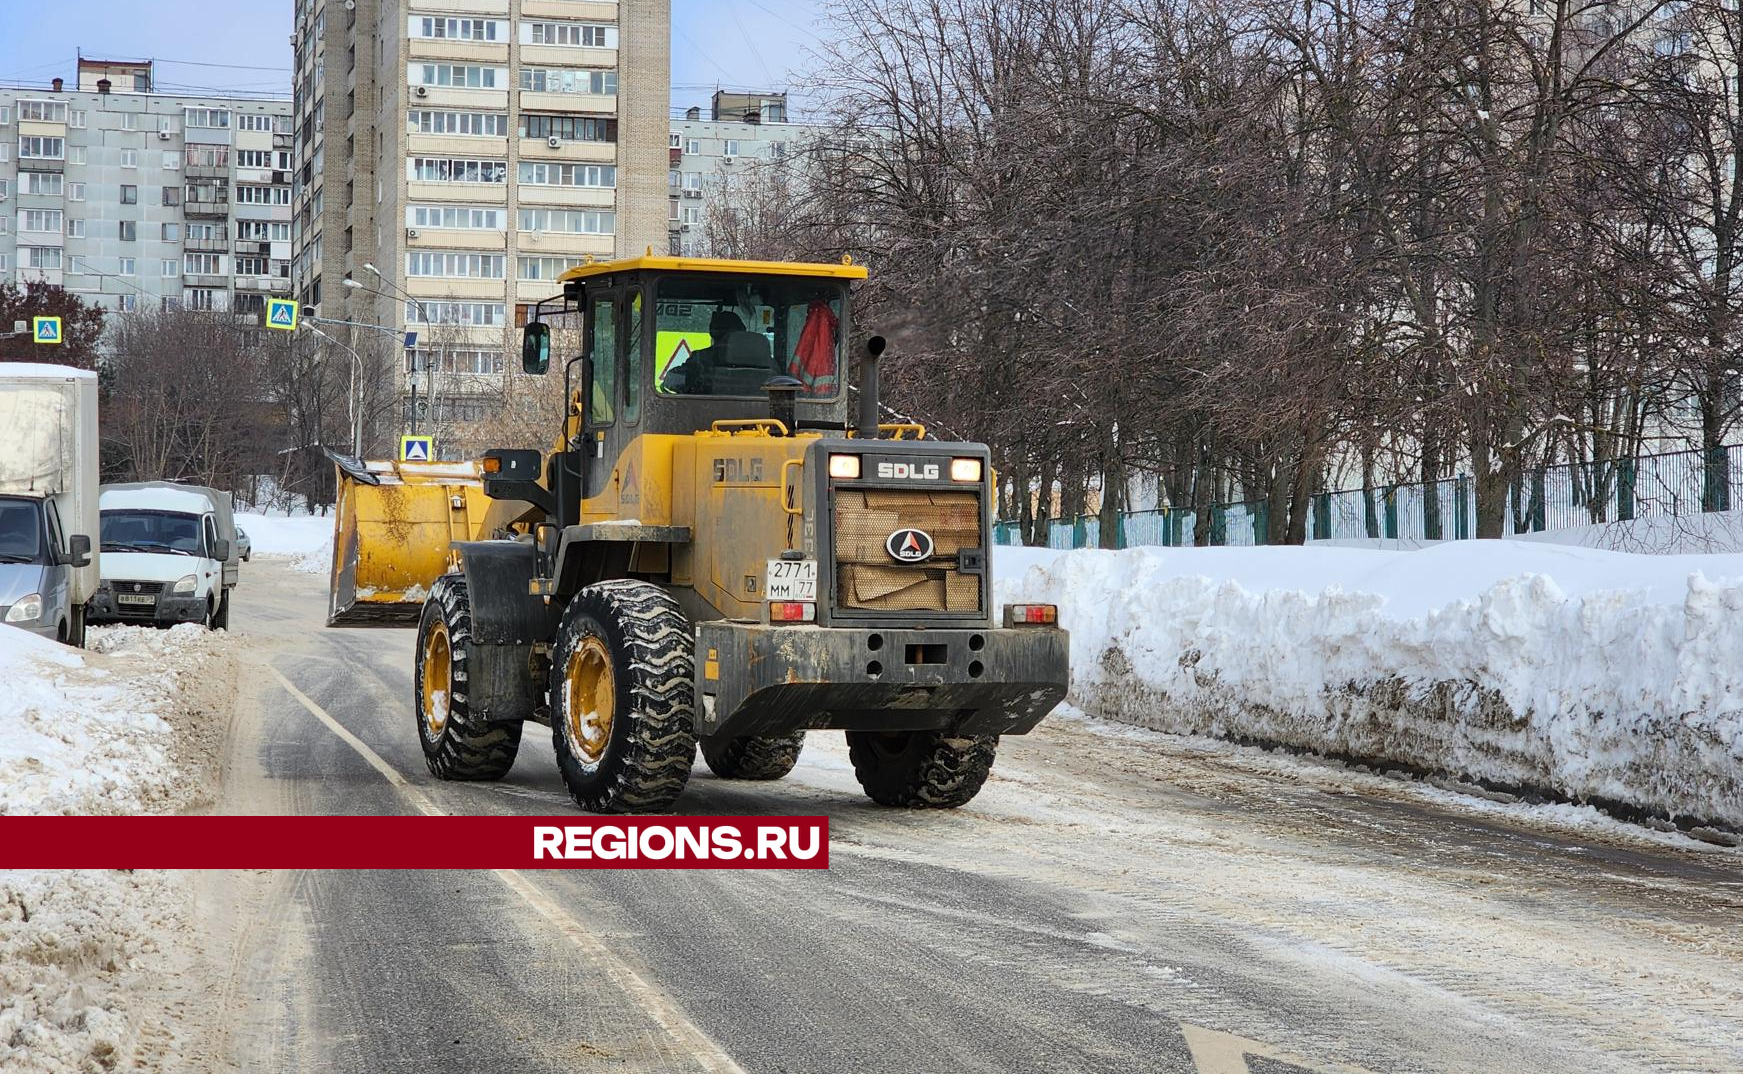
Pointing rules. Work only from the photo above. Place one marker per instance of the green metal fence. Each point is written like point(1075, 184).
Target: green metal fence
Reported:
point(1676, 484)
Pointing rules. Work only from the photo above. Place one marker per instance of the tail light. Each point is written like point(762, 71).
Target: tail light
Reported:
point(792, 611)
point(1031, 615)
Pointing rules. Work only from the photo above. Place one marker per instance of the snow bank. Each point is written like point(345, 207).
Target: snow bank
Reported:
point(306, 540)
point(133, 725)
point(1594, 676)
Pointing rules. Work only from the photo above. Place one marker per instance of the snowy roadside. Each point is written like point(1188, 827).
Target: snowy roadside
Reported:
point(136, 724)
point(305, 540)
point(1574, 674)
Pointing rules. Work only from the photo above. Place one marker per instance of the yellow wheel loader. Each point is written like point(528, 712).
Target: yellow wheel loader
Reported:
point(715, 555)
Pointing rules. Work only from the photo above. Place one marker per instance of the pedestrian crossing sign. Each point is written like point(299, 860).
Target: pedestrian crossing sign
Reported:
point(281, 313)
point(417, 448)
point(46, 329)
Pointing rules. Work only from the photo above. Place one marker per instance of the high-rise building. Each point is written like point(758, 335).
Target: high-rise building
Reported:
point(131, 198)
point(455, 158)
point(712, 155)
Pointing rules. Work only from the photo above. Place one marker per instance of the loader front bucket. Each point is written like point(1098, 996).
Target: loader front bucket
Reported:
point(392, 528)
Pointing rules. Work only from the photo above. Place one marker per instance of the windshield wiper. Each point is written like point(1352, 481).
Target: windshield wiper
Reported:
point(17, 559)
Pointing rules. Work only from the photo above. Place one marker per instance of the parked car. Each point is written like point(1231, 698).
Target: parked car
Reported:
point(169, 555)
point(244, 547)
point(48, 498)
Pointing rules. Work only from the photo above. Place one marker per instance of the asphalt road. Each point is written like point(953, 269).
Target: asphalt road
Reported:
point(1113, 901)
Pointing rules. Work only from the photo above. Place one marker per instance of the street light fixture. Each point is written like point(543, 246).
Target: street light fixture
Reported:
point(423, 314)
point(356, 410)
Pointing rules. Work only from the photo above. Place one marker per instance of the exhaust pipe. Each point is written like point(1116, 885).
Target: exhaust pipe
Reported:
point(868, 387)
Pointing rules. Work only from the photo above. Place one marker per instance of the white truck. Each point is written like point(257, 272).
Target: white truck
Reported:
point(48, 498)
point(170, 555)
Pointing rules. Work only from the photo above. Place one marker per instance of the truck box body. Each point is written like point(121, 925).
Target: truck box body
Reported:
point(48, 414)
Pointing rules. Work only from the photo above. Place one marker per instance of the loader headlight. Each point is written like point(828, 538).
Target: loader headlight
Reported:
point(967, 470)
point(25, 609)
point(844, 467)
point(186, 585)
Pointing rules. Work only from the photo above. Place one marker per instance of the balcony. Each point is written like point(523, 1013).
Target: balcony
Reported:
point(207, 246)
point(207, 171)
point(263, 284)
point(209, 209)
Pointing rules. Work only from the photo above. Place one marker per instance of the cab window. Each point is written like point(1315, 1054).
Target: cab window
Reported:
point(632, 351)
point(728, 337)
point(602, 348)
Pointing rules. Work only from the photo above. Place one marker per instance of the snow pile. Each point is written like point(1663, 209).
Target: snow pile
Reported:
point(134, 725)
point(1595, 676)
point(306, 540)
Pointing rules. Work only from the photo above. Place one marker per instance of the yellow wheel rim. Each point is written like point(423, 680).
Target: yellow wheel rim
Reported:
point(438, 678)
point(589, 699)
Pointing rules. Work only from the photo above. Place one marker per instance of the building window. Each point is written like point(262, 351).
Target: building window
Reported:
point(39, 147)
point(450, 170)
point(692, 180)
point(128, 267)
point(5, 115)
point(456, 360)
point(127, 303)
point(169, 269)
point(130, 158)
point(172, 161)
point(694, 148)
point(127, 230)
point(204, 299)
point(75, 192)
point(46, 258)
point(172, 233)
point(262, 195)
point(458, 75)
point(43, 220)
point(544, 268)
point(129, 194)
point(542, 174)
point(50, 183)
point(203, 264)
point(75, 228)
point(559, 80)
point(249, 121)
point(208, 156)
point(30, 111)
point(206, 117)
point(129, 121)
point(569, 128)
point(76, 118)
point(484, 124)
point(731, 147)
point(470, 314)
point(254, 158)
point(172, 195)
point(569, 34)
point(455, 216)
point(568, 221)
point(251, 266)
point(453, 29)
point(204, 233)
point(453, 265)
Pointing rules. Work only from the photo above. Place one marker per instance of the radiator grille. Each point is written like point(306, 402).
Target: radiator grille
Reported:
point(867, 579)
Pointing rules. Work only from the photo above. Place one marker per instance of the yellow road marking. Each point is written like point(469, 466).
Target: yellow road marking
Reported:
point(663, 1009)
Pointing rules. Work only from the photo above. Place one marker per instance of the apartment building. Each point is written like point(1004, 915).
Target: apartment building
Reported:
point(742, 130)
point(454, 157)
point(132, 199)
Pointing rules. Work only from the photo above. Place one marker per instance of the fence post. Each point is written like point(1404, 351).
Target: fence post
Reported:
point(1219, 524)
point(1120, 530)
point(1462, 508)
point(1716, 486)
point(1322, 516)
point(1390, 497)
point(1261, 519)
point(1079, 534)
point(1625, 490)
point(1539, 498)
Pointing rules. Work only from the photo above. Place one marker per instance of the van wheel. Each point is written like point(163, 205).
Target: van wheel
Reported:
point(457, 745)
point(622, 698)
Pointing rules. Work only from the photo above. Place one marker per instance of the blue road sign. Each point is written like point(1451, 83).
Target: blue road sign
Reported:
point(417, 448)
point(46, 329)
point(281, 313)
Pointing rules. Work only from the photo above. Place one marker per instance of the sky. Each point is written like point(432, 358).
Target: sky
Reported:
point(244, 46)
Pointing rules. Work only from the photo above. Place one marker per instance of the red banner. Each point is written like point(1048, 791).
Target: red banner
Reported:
point(418, 842)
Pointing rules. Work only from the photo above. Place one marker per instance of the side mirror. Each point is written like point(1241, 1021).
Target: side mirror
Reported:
point(535, 348)
point(221, 549)
point(78, 552)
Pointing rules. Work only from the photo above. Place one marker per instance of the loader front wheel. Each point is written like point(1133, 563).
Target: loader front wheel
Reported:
point(920, 769)
point(754, 756)
point(457, 745)
point(622, 697)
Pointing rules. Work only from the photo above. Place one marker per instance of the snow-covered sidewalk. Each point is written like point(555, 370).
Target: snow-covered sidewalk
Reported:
point(1587, 675)
point(133, 725)
point(306, 540)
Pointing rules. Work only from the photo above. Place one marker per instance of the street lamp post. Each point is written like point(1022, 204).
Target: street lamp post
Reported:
point(355, 408)
point(423, 314)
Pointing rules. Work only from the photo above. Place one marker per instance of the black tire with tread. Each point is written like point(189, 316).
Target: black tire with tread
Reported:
point(466, 749)
point(759, 757)
point(651, 747)
point(921, 769)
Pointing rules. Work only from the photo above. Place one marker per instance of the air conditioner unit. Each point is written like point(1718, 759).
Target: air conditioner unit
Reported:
point(554, 142)
point(163, 136)
point(686, 227)
point(350, 5)
point(411, 232)
point(422, 91)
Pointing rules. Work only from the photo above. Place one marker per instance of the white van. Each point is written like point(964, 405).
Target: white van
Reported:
point(169, 556)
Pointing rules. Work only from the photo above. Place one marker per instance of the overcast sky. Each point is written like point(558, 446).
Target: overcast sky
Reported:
point(245, 47)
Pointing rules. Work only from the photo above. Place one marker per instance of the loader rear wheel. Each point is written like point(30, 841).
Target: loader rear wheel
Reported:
point(456, 744)
point(920, 769)
point(754, 756)
point(622, 698)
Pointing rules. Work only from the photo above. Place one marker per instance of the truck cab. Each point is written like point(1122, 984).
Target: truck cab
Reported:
point(167, 552)
point(38, 563)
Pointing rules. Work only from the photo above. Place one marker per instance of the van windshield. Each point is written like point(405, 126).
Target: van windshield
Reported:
point(728, 337)
point(20, 531)
point(151, 531)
